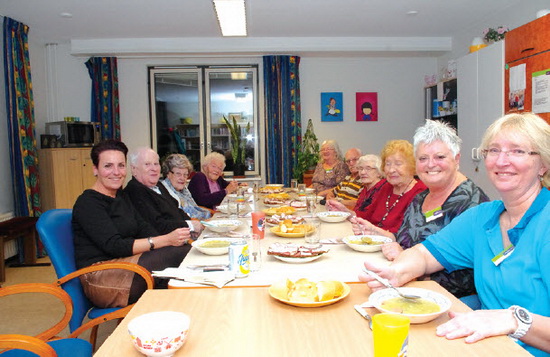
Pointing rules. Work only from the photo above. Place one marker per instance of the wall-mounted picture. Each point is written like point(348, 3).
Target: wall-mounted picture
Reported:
point(366, 104)
point(332, 104)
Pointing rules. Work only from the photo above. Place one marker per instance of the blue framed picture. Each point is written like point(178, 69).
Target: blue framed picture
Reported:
point(332, 104)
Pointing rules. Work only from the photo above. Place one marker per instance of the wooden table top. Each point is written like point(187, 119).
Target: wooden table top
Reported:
point(247, 321)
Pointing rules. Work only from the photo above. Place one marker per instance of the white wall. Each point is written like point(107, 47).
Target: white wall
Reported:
point(398, 81)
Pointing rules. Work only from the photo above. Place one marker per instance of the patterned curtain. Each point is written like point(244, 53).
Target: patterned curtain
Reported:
point(105, 110)
point(284, 133)
point(20, 118)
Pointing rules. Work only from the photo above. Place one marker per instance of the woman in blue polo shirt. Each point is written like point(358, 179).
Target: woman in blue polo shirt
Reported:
point(506, 242)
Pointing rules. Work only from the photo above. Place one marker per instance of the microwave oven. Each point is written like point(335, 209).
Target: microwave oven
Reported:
point(75, 133)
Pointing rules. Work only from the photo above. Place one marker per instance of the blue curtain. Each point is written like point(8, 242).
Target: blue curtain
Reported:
point(282, 96)
point(105, 110)
point(20, 119)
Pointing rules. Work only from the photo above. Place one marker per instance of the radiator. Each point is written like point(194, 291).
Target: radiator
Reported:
point(10, 248)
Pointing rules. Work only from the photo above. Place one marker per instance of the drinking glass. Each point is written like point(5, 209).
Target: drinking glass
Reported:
point(313, 232)
point(232, 207)
point(391, 334)
point(255, 252)
point(311, 204)
point(301, 189)
point(294, 185)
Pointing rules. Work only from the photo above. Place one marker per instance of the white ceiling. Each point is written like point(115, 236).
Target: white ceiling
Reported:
point(108, 19)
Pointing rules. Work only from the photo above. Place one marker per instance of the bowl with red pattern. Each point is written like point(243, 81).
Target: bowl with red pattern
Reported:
point(160, 333)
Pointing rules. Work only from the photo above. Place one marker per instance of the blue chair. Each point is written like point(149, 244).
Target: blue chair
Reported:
point(41, 344)
point(55, 230)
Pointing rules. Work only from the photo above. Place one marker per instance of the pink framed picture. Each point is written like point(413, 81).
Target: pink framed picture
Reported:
point(366, 106)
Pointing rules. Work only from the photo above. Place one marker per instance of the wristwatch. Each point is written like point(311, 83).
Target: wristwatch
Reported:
point(151, 244)
point(524, 319)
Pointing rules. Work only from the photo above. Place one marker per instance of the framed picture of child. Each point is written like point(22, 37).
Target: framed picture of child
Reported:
point(366, 106)
point(332, 104)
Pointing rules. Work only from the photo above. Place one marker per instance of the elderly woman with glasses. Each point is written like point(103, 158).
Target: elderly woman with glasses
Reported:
point(372, 179)
point(449, 193)
point(505, 242)
point(208, 187)
point(392, 199)
point(330, 170)
point(175, 170)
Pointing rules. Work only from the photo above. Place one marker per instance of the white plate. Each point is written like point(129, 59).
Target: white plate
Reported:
point(211, 251)
point(223, 225)
point(274, 185)
point(368, 248)
point(378, 297)
point(333, 216)
point(298, 260)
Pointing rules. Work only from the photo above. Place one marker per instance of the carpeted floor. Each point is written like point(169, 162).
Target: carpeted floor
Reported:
point(30, 314)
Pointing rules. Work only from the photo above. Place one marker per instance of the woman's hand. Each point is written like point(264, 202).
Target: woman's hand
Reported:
point(477, 325)
point(178, 236)
point(232, 187)
point(386, 272)
point(329, 195)
point(391, 250)
point(333, 205)
point(361, 226)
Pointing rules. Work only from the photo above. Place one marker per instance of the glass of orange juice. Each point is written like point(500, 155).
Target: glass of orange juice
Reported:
point(391, 335)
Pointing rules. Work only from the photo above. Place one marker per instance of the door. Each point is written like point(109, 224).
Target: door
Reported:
point(188, 106)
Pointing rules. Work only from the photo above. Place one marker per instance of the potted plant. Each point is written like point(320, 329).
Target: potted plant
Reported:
point(238, 145)
point(308, 153)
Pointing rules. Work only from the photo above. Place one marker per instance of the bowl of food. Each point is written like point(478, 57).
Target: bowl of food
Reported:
point(333, 216)
point(223, 209)
point(222, 225)
point(428, 307)
point(366, 243)
point(307, 293)
point(159, 333)
point(212, 246)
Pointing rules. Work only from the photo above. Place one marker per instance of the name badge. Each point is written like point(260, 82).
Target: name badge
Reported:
point(434, 214)
point(499, 258)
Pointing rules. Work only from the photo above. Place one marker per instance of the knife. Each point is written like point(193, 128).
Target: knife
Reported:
point(363, 313)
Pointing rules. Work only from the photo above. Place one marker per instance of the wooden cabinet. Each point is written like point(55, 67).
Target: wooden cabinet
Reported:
point(530, 45)
point(64, 175)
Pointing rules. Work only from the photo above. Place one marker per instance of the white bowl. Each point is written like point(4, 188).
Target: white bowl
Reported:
point(159, 333)
point(222, 209)
point(223, 225)
point(368, 248)
point(333, 216)
point(378, 297)
point(199, 244)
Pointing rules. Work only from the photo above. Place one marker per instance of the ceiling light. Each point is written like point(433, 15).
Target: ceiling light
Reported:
point(66, 15)
point(231, 17)
point(412, 13)
point(236, 76)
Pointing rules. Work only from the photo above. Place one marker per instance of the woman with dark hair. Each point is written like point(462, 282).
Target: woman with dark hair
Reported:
point(107, 227)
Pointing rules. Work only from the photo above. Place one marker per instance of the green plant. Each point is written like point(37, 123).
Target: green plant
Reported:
point(238, 140)
point(493, 35)
point(308, 152)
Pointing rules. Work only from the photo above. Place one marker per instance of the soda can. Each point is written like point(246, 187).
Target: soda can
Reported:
point(238, 258)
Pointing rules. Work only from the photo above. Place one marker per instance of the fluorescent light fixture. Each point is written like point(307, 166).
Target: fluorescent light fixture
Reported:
point(238, 76)
point(231, 17)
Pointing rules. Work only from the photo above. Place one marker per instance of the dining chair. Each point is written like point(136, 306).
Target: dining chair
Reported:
point(43, 343)
point(55, 230)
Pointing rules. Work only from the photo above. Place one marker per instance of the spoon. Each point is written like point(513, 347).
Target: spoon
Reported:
point(387, 284)
point(363, 313)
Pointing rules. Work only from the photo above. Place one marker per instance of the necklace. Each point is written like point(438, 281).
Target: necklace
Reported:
point(388, 208)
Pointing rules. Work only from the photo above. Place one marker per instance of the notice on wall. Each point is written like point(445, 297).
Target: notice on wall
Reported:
point(541, 91)
point(517, 83)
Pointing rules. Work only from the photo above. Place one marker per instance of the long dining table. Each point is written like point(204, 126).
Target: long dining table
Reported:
point(243, 319)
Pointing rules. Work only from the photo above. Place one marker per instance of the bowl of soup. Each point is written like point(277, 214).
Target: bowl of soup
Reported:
point(333, 216)
point(212, 246)
point(366, 243)
point(428, 307)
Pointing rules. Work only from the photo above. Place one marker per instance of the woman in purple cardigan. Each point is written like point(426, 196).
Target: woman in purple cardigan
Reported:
point(209, 187)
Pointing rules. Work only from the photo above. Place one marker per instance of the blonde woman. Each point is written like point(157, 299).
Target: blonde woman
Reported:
point(330, 170)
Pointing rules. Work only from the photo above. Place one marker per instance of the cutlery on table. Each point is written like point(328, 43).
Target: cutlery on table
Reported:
point(363, 313)
point(387, 284)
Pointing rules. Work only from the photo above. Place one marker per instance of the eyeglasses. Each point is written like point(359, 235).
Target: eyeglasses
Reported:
point(368, 168)
point(493, 153)
point(180, 174)
point(351, 160)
